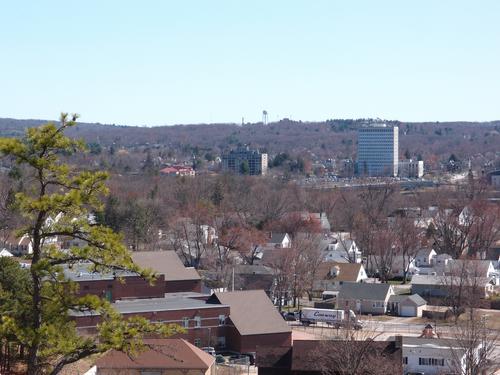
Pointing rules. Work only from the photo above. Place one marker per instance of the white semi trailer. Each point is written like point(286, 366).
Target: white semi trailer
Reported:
point(336, 318)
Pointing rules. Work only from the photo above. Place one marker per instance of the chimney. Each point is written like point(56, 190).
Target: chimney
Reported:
point(398, 341)
point(429, 333)
point(334, 271)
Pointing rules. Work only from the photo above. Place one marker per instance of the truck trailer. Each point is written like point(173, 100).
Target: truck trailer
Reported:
point(336, 318)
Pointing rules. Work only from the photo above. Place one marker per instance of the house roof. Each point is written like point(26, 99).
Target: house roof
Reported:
point(415, 298)
point(369, 291)
point(5, 253)
point(443, 280)
point(471, 267)
point(83, 272)
point(277, 237)
point(442, 347)
point(176, 169)
point(252, 312)
point(347, 271)
point(272, 257)
point(424, 252)
point(172, 354)
point(166, 263)
point(252, 269)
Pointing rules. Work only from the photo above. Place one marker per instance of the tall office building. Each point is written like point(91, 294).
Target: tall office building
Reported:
point(245, 160)
point(378, 150)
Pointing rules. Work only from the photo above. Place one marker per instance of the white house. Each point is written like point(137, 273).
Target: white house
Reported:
point(331, 275)
point(5, 253)
point(280, 240)
point(398, 265)
point(441, 260)
point(433, 356)
point(425, 258)
point(343, 250)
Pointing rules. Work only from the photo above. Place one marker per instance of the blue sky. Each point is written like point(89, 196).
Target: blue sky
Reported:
point(166, 62)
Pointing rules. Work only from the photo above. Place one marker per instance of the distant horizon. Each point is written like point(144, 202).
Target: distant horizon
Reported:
point(247, 123)
point(168, 63)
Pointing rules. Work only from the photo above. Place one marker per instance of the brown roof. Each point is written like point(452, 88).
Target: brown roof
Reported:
point(347, 271)
point(253, 313)
point(159, 354)
point(165, 263)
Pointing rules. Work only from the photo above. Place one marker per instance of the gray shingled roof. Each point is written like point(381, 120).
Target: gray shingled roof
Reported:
point(415, 298)
point(277, 237)
point(169, 303)
point(367, 291)
point(253, 313)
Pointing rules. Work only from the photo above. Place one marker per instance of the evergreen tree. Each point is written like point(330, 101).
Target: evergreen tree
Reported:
point(43, 323)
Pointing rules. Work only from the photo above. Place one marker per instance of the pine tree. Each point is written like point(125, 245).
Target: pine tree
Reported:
point(59, 190)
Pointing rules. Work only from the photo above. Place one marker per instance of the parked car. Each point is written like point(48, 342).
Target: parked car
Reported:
point(219, 359)
point(209, 350)
point(290, 316)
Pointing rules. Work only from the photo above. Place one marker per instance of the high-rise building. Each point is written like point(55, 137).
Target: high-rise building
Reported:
point(378, 150)
point(243, 160)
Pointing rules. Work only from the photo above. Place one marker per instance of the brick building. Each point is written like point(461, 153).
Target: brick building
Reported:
point(167, 263)
point(253, 320)
point(172, 277)
point(205, 324)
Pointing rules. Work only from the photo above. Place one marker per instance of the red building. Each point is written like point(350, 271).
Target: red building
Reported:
point(205, 324)
point(178, 278)
point(253, 320)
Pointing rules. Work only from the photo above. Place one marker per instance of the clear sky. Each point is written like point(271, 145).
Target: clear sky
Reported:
point(169, 62)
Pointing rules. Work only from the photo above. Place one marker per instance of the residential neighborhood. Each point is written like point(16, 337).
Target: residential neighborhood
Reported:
point(250, 187)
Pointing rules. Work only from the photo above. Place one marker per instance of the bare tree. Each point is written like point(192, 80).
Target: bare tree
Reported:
point(473, 346)
point(463, 286)
point(384, 253)
point(407, 240)
point(357, 353)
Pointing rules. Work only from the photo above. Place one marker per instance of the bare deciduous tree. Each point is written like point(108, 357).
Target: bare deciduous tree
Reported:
point(473, 347)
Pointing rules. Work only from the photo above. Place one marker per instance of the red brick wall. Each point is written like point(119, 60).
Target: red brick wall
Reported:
point(208, 332)
point(132, 287)
point(249, 343)
point(183, 286)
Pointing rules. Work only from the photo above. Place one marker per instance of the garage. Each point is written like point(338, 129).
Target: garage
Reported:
point(406, 305)
point(408, 311)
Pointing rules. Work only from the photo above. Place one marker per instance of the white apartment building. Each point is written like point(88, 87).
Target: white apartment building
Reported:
point(411, 168)
point(378, 147)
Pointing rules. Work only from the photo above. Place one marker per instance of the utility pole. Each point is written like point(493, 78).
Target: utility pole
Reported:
point(232, 283)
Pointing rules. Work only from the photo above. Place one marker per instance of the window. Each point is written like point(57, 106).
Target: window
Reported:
point(222, 320)
point(405, 360)
point(197, 321)
point(431, 361)
point(185, 322)
point(221, 342)
point(197, 342)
